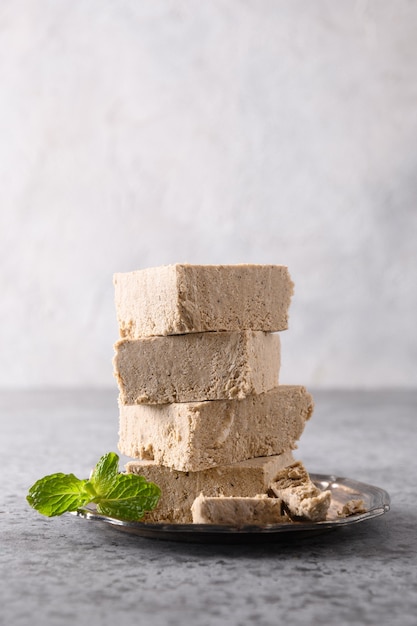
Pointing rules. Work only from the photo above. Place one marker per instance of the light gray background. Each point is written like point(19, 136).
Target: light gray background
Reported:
point(135, 134)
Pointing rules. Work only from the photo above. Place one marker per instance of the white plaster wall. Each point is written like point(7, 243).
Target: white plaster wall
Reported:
point(137, 133)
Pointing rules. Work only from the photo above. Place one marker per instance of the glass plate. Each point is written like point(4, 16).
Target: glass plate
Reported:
point(376, 502)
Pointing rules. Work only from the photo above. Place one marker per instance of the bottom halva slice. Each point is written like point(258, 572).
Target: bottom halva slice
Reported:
point(180, 489)
point(193, 436)
point(238, 511)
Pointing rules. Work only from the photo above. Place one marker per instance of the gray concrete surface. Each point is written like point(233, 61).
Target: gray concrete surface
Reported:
point(65, 571)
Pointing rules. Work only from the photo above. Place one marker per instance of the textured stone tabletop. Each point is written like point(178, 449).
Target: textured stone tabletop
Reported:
point(70, 571)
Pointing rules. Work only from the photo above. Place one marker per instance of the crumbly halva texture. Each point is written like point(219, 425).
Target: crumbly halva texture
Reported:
point(179, 489)
point(356, 506)
point(195, 436)
point(300, 495)
point(238, 511)
point(183, 298)
point(197, 366)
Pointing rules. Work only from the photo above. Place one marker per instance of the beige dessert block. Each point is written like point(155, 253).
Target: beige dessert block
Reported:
point(198, 366)
point(179, 489)
point(238, 511)
point(301, 496)
point(193, 436)
point(182, 298)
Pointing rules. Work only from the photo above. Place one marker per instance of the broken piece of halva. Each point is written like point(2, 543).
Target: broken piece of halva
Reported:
point(192, 436)
point(179, 489)
point(183, 298)
point(197, 366)
point(356, 506)
point(300, 495)
point(238, 511)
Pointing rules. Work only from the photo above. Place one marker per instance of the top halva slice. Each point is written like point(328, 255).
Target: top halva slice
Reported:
point(183, 298)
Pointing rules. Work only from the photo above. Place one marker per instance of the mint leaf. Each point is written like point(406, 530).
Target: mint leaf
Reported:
point(128, 497)
point(104, 472)
point(57, 493)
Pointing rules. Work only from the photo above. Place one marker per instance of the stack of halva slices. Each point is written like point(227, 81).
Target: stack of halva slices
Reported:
point(201, 410)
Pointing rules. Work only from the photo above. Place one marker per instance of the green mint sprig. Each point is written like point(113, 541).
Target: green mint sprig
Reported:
point(125, 496)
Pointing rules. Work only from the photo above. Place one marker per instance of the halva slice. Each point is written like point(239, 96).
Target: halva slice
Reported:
point(180, 489)
point(193, 436)
point(197, 366)
point(183, 298)
point(299, 494)
point(238, 511)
